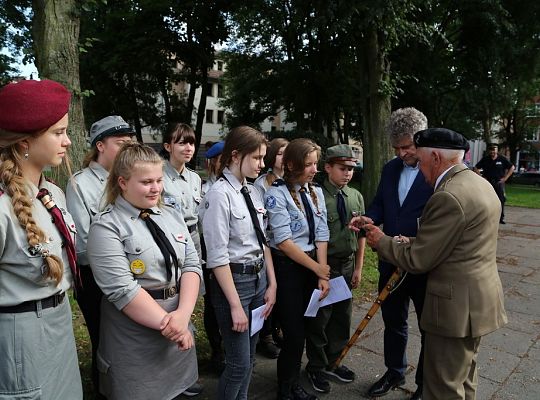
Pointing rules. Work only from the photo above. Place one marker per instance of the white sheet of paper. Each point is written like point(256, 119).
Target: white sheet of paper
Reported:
point(257, 319)
point(338, 291)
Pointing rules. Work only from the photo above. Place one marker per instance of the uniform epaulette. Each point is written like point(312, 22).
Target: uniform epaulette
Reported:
point(50, 181)
point(78, 172)
point(278, 182)
point(316, 184)
point(190, 169)
point(173, 206)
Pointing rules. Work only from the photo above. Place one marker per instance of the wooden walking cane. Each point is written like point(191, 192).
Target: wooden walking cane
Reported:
point(388, 288)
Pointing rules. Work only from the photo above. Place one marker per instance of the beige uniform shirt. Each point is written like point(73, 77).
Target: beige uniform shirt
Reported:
point(183, 191)
point(21, 273)
point(124, 256)
point(84, 196)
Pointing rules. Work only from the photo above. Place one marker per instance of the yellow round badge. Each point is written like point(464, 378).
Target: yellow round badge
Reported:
point(137, 267)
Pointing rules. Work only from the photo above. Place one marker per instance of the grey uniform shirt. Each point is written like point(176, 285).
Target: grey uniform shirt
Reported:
point(84, 196)
point(287, 221)
point(21, 273)
point(124, 256)
point(229, 233)
point(183, 191)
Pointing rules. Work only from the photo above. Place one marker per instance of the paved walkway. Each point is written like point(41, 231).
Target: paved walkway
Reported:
point(509, 360)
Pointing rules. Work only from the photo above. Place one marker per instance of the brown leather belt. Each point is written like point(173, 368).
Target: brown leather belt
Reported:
point(32, 305)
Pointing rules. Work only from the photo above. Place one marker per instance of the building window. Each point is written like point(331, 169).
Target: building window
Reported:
point(220, 116)
point(209, 88)
point(220, 65)
point(219, 90)
point(209, 116)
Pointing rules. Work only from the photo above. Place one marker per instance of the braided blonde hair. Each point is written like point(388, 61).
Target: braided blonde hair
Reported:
point(14, 183)
point(294, 164)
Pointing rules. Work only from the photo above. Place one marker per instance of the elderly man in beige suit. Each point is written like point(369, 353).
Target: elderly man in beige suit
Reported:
point(456, 244)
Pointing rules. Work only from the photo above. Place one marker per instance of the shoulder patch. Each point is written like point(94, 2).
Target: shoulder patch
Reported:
point(270, 202)
point(278, 182)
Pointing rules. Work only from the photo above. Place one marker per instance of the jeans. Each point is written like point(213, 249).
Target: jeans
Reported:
point(239, 346)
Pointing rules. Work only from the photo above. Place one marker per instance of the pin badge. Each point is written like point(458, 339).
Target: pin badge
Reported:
point(137, 267)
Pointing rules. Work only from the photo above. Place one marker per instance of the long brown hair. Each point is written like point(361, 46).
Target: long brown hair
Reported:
point(244, 140)
point(12, 178)
point(128, 156)
point(272, 151)
point(294, 159)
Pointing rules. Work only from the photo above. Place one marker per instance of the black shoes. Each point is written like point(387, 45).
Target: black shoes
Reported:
point(388, 382)
point(417, 395)
point(194, 390)
point(341, 373)
point(267, 347)
point(318, 381)
point(297, 393)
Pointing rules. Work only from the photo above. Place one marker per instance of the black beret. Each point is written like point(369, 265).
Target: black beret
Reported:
point(441, 138)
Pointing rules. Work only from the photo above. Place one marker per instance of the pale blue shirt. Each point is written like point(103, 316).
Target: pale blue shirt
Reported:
point(406, 180)
point(288, 221)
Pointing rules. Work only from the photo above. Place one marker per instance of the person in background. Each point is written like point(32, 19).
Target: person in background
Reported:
point(274, 161)
point(84, 193)
point(242, 270)
point(398, 204)
point(329, 331)
point(37, 247)
point(217, 359)
point(456, 244)
point(182, 185)
point(144, 261)
point(496, 169)
point(297, 220)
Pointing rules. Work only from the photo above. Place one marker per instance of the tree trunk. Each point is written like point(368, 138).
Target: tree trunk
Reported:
point(191, 96)
point(55, 32)
point(377, 112)
point(132, 94)
point(201, 111)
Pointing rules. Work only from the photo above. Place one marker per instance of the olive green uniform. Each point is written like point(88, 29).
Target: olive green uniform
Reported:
point(328, 332)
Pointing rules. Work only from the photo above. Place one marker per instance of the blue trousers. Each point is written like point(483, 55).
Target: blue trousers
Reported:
point(239, 346)
point(395, 312)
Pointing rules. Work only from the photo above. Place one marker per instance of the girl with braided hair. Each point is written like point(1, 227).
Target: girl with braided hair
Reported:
point(37, 251)
point(299, 239)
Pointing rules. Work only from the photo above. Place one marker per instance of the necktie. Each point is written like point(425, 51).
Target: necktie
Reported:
point(253, 213)
point(309, 215)
point(164, 245)
point(58, 219)
point(342, 211)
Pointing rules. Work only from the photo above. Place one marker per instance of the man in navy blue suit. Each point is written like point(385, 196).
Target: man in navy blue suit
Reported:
point(400, 199)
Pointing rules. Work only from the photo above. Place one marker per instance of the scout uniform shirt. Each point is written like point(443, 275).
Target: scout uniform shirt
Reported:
point(343, 241)
point(22, 272)
point(229, 233)
point(183, 191)
point(287, 221)
point(124, 256)
point(84, 196)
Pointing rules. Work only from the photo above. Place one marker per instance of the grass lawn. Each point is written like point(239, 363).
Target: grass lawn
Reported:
point(523, 196)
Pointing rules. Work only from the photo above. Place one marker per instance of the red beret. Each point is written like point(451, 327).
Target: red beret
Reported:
point(30, 106)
